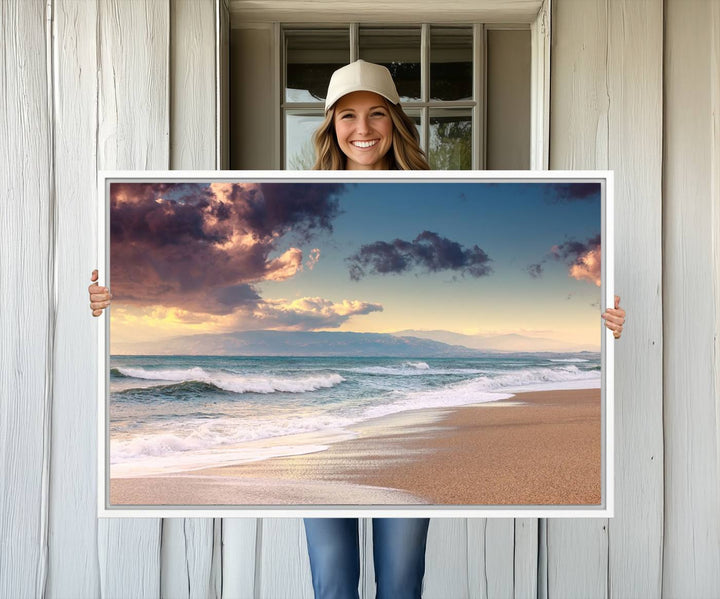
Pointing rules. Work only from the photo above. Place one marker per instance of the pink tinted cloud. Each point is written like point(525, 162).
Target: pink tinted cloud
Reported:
point(309, 313)
point(587, 267)
point(583, 258)
point(203, 247)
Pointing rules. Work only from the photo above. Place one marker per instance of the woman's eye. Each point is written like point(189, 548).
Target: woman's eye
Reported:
point(347, 115)
point(378, 113)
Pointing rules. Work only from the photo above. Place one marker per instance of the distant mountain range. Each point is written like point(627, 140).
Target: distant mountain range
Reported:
point(511, 342)
point(406, 344)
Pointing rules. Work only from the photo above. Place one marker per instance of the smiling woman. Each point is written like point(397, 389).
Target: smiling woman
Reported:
point(365, 128)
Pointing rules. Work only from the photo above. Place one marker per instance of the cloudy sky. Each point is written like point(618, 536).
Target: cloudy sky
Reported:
point(474, 258)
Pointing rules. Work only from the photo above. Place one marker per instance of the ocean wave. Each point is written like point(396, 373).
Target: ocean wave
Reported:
point(197, 435)
point(533, 376)
point(417, 365)
point(415, 369)
point(236, 383)
point(568, 360)
point(182, 388)
point(489, 388)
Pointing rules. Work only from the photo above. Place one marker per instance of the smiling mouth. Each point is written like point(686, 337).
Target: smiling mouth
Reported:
point(364, 144)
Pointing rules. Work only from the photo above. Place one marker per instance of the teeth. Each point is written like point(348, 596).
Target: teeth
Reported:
point(364, 144)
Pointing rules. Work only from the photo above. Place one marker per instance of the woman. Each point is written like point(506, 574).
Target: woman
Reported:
point(365, 129)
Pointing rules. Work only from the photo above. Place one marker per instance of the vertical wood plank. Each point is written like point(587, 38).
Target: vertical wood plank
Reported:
point(186, 568)
point(187, 557)
point(193, 85)
point(73, 563)
point(27, 310)
point(222, 16)
point(447, 559)
point(635, 537)
point(526, 543)
point(239, 557)
point(133, 131)
point(577, 550)
point(283, 569)
point(691, 402)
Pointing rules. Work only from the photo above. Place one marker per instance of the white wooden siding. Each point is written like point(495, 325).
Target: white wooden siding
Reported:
point(116, 84)
point(26, 298)
point(691, 200)
point(133, 133)
point(73, 542)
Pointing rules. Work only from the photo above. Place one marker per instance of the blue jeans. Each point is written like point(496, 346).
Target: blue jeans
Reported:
point(398, 552)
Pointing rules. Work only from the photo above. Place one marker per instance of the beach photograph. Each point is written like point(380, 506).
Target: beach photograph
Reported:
point(374, 343)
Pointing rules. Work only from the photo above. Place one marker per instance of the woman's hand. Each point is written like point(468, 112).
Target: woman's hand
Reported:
point(99, 296)
point(615, 318)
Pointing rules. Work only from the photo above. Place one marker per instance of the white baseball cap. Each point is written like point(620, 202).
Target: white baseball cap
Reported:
point(361, 76)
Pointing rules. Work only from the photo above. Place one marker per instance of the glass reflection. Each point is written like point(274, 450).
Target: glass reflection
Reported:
point(311, 58)
point(399, 50)
point(451, 55)
point(450, 144)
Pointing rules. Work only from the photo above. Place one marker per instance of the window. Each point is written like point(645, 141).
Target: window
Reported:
point(435, 68)
point(468, 88)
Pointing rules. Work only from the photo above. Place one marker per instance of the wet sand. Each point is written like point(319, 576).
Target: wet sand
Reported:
point(536, 448)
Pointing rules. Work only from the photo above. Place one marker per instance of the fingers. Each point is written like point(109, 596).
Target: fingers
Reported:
point(99, 296)
point(614, 316)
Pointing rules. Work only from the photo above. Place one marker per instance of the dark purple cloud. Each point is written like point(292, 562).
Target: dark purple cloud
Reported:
point(572, 192)
point(535, 270)
point(582, 259)
point(571, 251)
point(428, 250)
point(202, 246)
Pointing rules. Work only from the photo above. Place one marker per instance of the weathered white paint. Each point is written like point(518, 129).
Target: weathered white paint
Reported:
point(446, 558)
point(540, 89)
point(399, 11)
point(72, 551)
point(62, 118)
point(222, 63)
point(635, 117)
point(187, 556)
point(133, 133)
point(526, 547)
point(283, 566)
point(193, 79)
point(692, 397)
point(606, 112)
point(27, 311)
point(577, 554)
point(239, 557)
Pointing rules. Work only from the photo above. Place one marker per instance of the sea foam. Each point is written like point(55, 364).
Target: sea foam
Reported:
point(237, 383)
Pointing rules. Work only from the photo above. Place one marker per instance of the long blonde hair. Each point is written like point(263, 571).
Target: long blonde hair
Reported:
point(405, 154)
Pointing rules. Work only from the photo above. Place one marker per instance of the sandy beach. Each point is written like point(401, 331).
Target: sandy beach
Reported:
point(536, 448)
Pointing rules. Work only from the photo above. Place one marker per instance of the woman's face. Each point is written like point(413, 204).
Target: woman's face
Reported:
point(364, 130)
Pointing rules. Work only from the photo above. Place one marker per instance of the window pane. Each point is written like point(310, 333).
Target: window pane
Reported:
point(398, 50)
point(450, 139)
point(414, 115)
point(299, 149)
point(311, 58)
point(451, 55)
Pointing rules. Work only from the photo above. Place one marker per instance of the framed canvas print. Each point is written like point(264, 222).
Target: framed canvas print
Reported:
point(356, 344)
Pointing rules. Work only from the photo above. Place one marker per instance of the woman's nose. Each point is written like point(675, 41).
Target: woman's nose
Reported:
point(363, 125)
